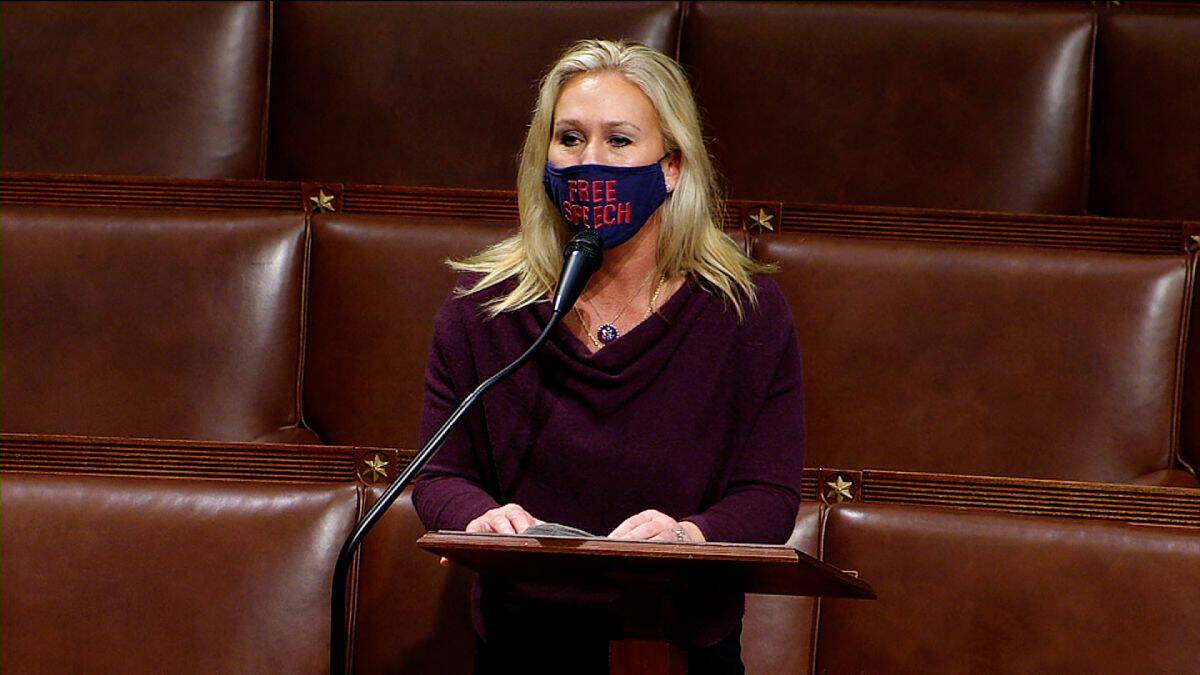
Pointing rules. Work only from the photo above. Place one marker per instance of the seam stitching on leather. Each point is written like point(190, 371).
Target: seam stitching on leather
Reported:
point(822, 513)
point(1086, 186)
point(352, 592)
point(264, 135)
point(681, 11)
point(1181, 370)
point(301, 361)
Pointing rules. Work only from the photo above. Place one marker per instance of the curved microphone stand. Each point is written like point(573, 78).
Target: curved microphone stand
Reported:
point(582, 257)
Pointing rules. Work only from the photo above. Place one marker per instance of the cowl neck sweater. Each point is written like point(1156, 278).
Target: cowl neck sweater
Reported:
point(690, 412)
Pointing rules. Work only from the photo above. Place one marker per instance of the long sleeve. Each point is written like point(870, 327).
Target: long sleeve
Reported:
point(763, 492)
point(449, 492)
point(588, 439)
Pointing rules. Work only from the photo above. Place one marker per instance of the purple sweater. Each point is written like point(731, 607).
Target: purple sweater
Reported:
point(689, 413)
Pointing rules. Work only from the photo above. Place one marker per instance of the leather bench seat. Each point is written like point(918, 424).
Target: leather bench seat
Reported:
point(902, 104)
point(985, 360)
point(159, 323)
point(144, 89)
point(778, 631)
point(1097, 336)
point(1007, 106)
point(1146, 159)
point(973, 591)
point(375, 284)
point(413, 615)
point(151, 575)
point(988, 360)
point(425, 93)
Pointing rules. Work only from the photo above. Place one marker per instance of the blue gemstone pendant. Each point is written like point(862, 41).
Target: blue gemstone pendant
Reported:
point(607, 333)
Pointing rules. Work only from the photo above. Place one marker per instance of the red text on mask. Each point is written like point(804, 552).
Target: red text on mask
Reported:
point(604, 210)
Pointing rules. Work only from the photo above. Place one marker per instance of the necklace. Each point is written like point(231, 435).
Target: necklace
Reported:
point(608, 332)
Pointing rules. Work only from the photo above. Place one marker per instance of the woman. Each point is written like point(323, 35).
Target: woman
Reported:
point(668, 406)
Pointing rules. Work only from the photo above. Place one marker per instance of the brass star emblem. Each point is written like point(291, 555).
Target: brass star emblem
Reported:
point(322, 201)
point(377, 467)
point(840, 491)
point(762, 219)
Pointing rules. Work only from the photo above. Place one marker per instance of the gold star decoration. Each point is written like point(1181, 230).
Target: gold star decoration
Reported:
point(840, 491)
point(762, 219)
point(322, 201)
point(377, 467)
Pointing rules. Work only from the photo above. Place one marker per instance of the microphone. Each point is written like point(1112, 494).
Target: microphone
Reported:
point(581, 258)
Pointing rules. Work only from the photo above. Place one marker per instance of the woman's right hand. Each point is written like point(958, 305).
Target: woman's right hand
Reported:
point(507, 519)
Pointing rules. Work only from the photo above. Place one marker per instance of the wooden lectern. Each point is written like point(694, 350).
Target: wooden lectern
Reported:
point(648, 574)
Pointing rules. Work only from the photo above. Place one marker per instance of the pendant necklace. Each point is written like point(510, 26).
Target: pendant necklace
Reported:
point(608, 332)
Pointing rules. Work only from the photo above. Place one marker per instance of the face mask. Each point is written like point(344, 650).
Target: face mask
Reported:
point(615, 201)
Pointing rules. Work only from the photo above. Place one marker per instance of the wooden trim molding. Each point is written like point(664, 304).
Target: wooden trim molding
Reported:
point(32, 189)
point(1129, 235)
point(224, 460)
point(228, 460)
point(1031, 496)
point(755, 217)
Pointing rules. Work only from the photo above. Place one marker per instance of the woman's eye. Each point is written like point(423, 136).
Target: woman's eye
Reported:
point(620, 141)
point(570, 139)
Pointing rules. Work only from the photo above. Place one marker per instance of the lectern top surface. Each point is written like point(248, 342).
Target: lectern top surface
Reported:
point(627, 563)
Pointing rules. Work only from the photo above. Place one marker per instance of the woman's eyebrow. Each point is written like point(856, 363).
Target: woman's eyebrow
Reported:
point(576, 123)
point(622, 123)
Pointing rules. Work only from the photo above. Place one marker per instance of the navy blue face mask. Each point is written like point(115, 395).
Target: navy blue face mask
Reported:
point(615, 201)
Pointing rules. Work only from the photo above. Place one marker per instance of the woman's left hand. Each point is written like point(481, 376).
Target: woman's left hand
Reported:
point(656, 526)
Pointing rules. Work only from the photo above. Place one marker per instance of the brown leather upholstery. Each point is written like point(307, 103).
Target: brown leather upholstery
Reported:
point(163, 89)
point(947, 105)
point(144, 575)
point(375, 285)
point(778, 631)
point(1189, 422)
point(954, 105)
point(414, 616)
point(960, 359)
point(153, 323)
point(985, 359)
point(426, 93)
point(1146, 157)
point(973, 591)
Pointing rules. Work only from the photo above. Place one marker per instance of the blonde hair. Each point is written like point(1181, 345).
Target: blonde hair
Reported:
point(691, 239)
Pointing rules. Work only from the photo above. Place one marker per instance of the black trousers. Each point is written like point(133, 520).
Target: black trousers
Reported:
point(534, 655)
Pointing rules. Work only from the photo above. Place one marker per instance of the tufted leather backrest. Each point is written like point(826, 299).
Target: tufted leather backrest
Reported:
point(397, 579)
point(778, 630)
point(1146, 158)
point(146, 575)
point(949, 105)
point(426, 93)
point(974, 591)
point(1010, 106)
point(140, 88)
point(986, 359)
point(376, 283)
point(153, 323)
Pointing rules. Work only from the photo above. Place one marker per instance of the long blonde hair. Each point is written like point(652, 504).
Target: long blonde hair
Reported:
point(691, 240)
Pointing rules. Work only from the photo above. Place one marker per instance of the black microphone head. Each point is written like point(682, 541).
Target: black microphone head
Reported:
point(582, 256)
point(588, 243)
